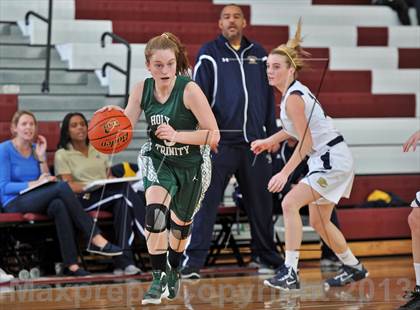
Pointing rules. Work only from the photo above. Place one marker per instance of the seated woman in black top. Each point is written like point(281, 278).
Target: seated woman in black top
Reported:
point(78, 163)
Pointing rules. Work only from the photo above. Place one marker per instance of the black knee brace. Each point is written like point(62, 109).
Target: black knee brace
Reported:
point(180, 232)
point(156, 218)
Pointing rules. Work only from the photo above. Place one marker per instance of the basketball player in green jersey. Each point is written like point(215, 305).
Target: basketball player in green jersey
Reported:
point(175, 162)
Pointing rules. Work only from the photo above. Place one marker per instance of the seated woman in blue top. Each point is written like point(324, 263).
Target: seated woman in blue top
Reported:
point(24, 166)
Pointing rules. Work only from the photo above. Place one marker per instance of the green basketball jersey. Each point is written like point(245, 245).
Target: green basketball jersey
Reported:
point(174, 113)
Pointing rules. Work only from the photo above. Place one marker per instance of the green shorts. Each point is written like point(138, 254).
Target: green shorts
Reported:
point(186, 185)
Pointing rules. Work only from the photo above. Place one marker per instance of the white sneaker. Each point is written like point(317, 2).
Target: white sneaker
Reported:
point(4, 277)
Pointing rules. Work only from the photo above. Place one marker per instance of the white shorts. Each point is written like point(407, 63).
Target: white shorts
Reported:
point(331, 173)
point(416, 202)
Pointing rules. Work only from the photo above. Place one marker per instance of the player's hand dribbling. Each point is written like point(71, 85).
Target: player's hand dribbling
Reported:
point(109, 108)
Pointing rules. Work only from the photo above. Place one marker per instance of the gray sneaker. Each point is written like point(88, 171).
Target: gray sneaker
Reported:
point(131, 270)
point(261, 267)
point(118, 272)
point(34, 273)
point(24, 274)
point(128, 271)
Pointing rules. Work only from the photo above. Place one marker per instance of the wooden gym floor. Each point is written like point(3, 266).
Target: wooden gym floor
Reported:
point(389, 278)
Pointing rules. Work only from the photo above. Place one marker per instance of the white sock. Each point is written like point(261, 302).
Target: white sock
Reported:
point(292, 259)
point(417, 271)
point(348, 258)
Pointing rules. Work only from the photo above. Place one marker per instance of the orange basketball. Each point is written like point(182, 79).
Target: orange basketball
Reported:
point(110, 131)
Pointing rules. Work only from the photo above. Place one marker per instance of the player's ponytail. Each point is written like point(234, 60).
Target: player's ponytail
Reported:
point(293, 49)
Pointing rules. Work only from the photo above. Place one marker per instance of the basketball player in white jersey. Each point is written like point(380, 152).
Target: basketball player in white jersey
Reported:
point(330, 175)
point(414, 222)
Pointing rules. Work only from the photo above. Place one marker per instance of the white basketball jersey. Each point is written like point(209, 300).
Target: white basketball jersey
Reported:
point(321, 126)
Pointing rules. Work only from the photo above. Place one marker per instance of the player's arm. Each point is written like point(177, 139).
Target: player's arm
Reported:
point(133, 110)
point(208, 133)
point(295, 109)
point(270, 143)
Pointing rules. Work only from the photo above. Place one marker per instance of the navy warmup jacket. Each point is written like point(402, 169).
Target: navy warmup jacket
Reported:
point(235, 83)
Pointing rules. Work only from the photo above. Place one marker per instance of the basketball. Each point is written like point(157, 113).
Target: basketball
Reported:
point(110, 131)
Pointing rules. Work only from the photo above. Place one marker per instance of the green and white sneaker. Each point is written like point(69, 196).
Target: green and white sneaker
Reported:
point(157, 290)
point(174, 281)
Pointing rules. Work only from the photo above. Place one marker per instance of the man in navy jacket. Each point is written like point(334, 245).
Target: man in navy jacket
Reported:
point(231, 71)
